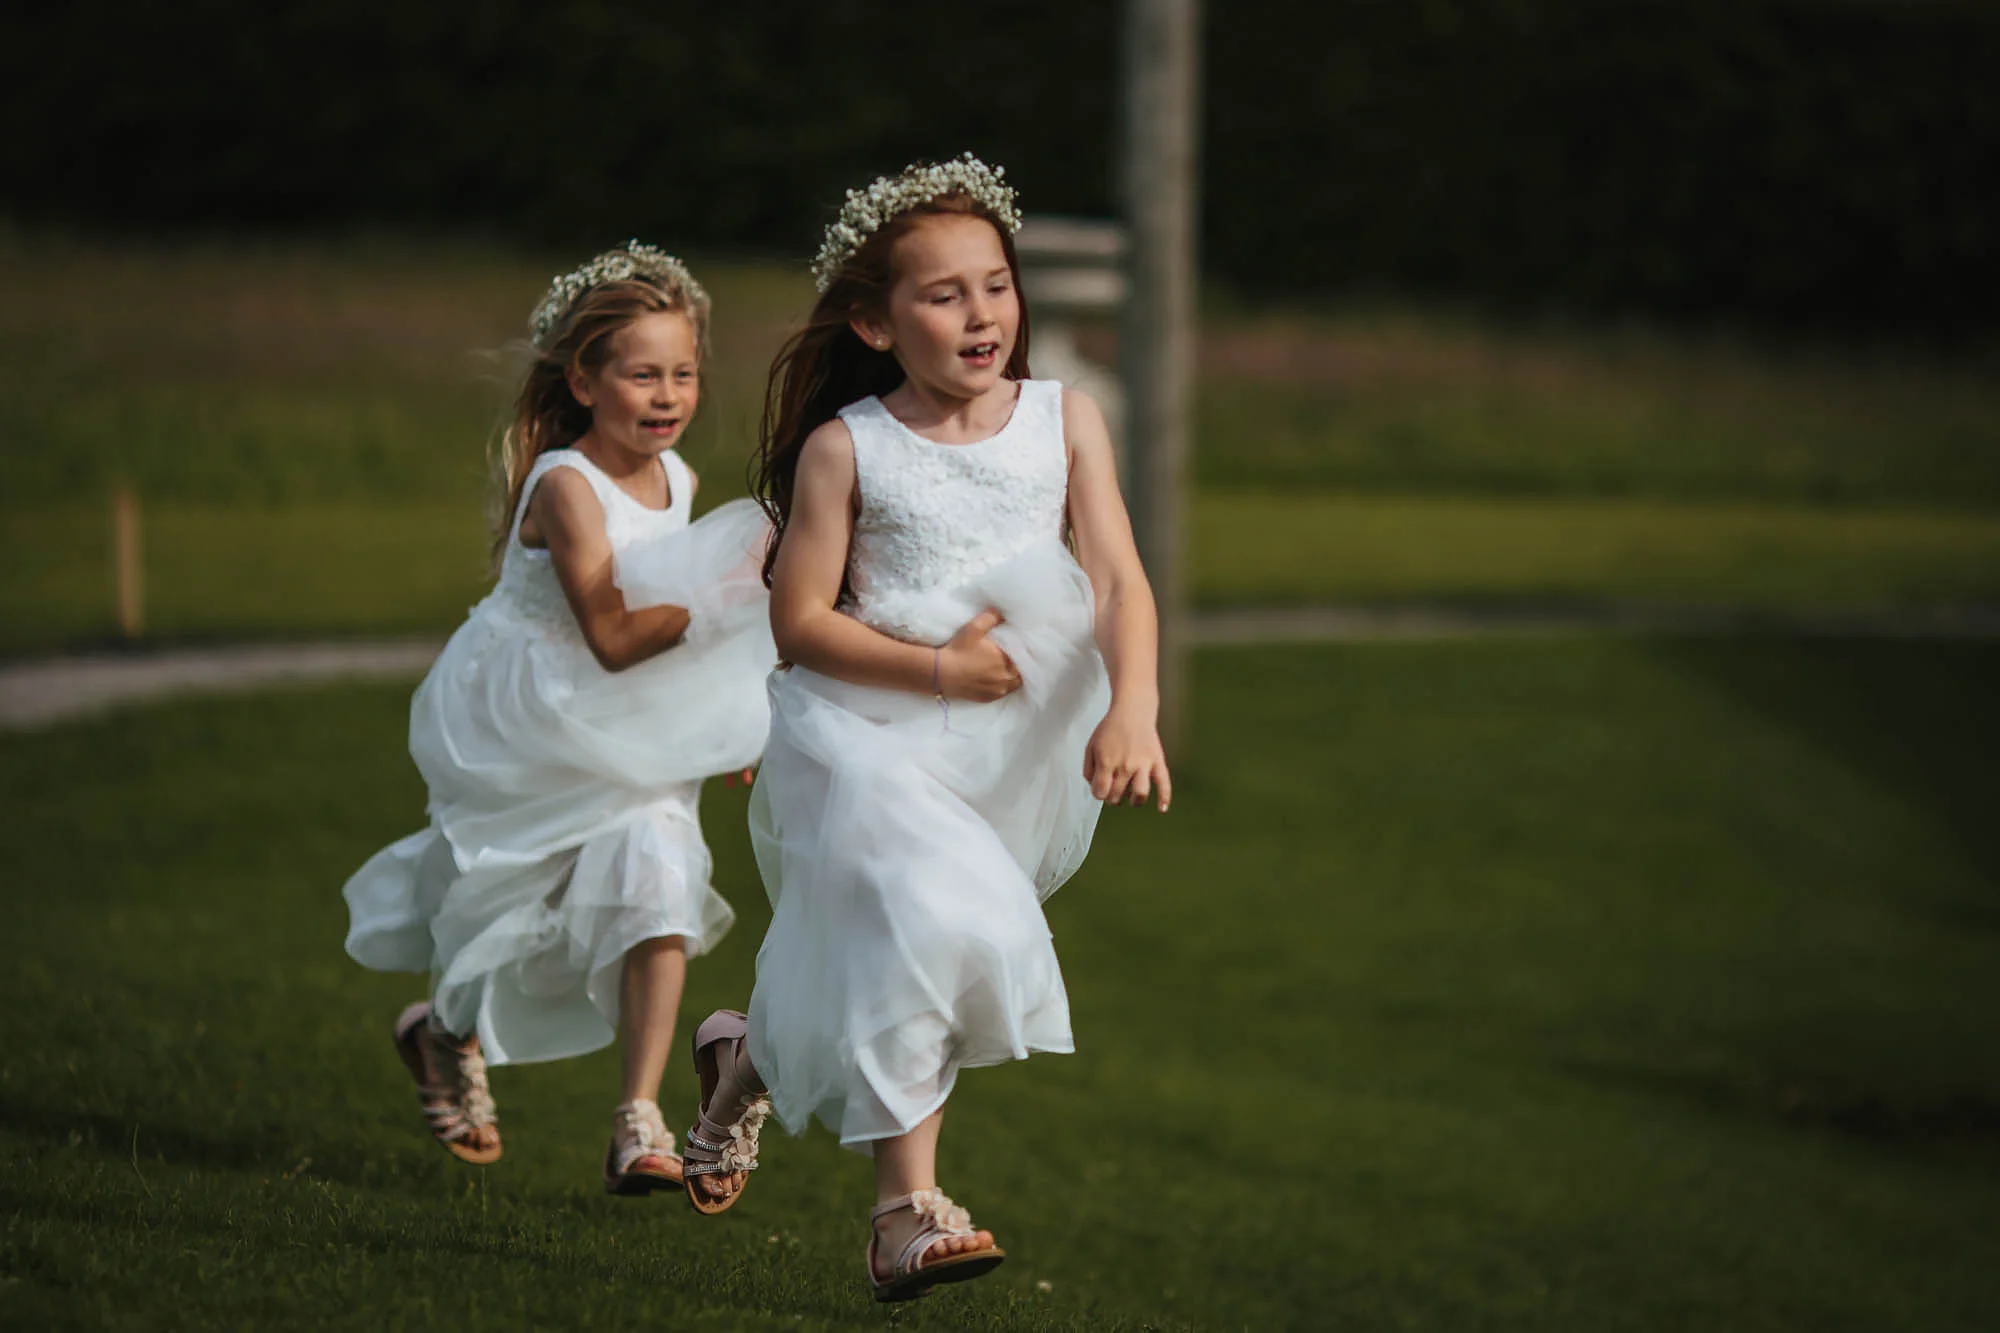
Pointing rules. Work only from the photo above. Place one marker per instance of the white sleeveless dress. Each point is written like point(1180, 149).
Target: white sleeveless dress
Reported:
point(906, 848)
point(563, 797)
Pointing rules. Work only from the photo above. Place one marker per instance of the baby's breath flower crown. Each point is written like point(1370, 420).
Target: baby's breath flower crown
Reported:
point(631, 260)
point(866, 210)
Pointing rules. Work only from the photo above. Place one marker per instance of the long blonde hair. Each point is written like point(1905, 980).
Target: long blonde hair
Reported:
point(546, 415)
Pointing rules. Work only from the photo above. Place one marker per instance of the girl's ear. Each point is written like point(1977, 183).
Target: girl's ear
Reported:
point(579, 386)
point(874, 332)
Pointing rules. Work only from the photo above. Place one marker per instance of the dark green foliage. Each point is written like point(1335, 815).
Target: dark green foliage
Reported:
point(1803, 162)
point(1582, 984)
point(1813, 160)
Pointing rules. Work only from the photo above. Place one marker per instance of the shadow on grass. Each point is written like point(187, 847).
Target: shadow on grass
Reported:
point(1894, 1118)
point(409, 1239)
point(1925, 725)
point(267, 1150)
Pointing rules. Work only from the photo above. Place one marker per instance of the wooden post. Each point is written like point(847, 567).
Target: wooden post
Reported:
point(1156, 340)
point(127, 565)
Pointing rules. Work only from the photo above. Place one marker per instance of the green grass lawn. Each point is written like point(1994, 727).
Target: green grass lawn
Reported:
point(235, 572)
point(299, 375)
point(306, 427)
point(1576, 983)
point(1768, 555)
point(1401, 404)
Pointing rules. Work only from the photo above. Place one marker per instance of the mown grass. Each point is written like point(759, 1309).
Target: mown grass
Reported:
point(223, 572)
point(1583, 984)
point(1396, 402)
point(1746, 554)
point(307, 427)
point(288, 375)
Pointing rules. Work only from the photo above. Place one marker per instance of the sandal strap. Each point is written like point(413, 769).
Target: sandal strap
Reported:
point(478, 1095)
point(714, 1149)
point(465, 1080)
point(941, 1216)
point(448, 1122)
point(640, 1131)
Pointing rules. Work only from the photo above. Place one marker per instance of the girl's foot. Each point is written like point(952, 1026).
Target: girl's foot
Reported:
point(641, 1157)
point(932, 1241)
point(722, 1144)
point(451, 1086)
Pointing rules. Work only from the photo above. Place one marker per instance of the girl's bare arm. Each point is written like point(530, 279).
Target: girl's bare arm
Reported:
point(1125, 760)
point(805, 585)
point(569, 519)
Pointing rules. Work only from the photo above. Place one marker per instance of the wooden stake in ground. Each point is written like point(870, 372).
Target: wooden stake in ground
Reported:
point(1156, 339)
point(127, 567)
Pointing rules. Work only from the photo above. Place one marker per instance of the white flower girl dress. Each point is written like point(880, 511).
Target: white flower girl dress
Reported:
point(906, 845)
point(563, 797)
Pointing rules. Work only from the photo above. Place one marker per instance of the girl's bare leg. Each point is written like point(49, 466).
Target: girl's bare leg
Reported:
point(903, 1165)
point(649, 999)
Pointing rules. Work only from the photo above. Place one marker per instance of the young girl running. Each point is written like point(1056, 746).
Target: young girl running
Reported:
point(565, 730)
point(946, 730)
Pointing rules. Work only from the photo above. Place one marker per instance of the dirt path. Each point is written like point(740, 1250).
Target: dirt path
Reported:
point(54, 689)
point(44, 691)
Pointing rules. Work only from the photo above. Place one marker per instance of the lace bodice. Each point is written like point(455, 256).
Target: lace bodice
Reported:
point(935, 515)
point(528, 588)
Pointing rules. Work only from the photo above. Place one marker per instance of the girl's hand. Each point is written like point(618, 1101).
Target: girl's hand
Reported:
point(974, 667)
point(746, 777)
point(1126, 762)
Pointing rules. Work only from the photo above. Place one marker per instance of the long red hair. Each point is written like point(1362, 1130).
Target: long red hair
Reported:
point(825, 366)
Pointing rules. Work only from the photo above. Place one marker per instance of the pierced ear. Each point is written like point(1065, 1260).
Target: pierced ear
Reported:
point(579, 386)
point(872, 332)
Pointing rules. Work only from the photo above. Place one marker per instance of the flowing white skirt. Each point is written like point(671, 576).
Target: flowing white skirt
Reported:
point(563, 800)
point(907, 854)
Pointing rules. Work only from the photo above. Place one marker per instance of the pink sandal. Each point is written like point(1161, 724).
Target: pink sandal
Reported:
point(910, 1275)
point(641, 1157)
point(720, 1148)
point(460, 1103)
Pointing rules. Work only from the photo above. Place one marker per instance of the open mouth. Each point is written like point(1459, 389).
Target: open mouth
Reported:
point(980, 354)
point(659, 425)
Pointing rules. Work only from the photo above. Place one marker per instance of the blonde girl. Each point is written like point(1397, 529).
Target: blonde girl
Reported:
point(563, 883)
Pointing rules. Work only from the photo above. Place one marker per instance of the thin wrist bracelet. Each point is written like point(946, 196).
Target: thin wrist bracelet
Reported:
point(937, 685)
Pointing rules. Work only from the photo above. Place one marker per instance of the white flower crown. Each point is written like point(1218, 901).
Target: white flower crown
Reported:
point(631, 260)
point(866, 210)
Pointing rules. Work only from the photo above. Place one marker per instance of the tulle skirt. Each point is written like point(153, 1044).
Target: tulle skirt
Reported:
point(564, 822)
point(907, 851)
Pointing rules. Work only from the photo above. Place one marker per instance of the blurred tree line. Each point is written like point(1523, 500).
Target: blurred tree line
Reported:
point(1802, 163)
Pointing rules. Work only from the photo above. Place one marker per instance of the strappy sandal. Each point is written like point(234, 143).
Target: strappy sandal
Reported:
point(641, 1157)
point(910, 1276)
point(714, 1148)
point(460, 1102)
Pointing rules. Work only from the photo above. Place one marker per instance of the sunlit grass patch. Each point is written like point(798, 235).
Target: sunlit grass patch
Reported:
point(1256, 547)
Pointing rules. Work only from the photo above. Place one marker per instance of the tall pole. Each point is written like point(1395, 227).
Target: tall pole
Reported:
point(1156, 339)
point(128, 569)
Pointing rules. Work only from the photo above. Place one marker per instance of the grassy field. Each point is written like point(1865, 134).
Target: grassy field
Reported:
point(1764, 555)
point(316, 570)
point(1396, 403)
point(306, 428)
point(1583, 984)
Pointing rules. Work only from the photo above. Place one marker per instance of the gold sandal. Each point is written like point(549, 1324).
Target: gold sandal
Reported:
point(910, 1276)
point(641, 1157)
point(716, 1148)
point(459, 1102)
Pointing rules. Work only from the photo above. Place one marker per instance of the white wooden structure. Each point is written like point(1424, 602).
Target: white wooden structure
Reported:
point(1072, 269)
